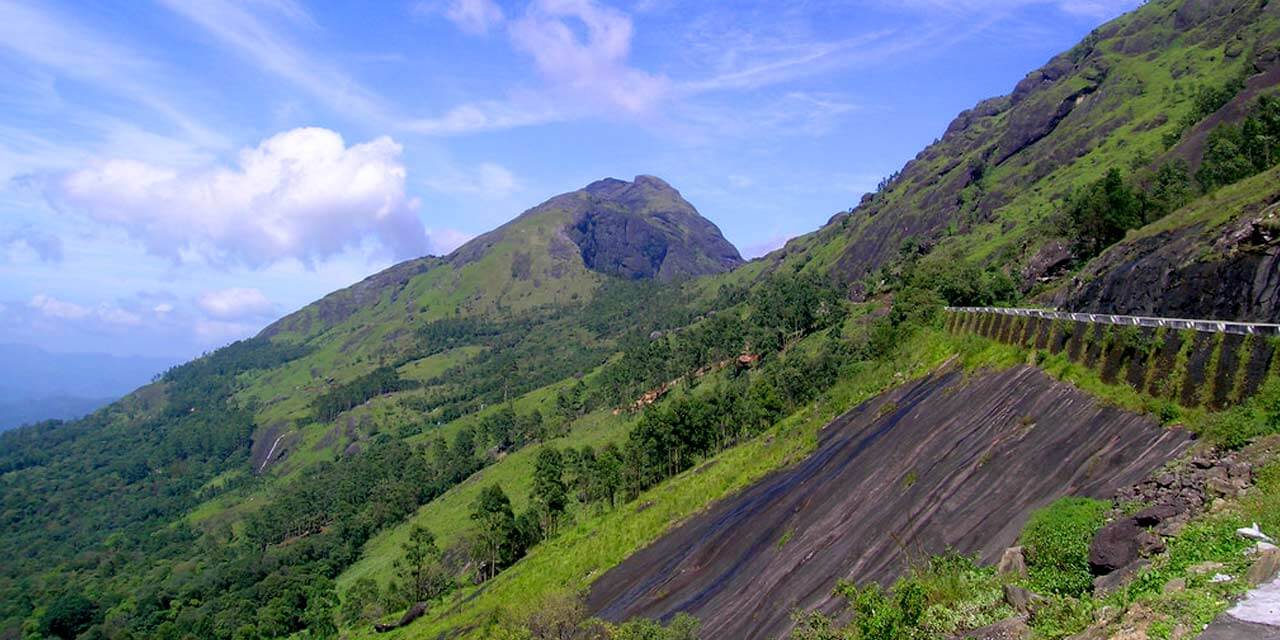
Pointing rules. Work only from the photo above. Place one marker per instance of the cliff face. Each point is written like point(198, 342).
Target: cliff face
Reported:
point(943, 463)
point(1219, 259)
point(992, 187)
point(646, 230)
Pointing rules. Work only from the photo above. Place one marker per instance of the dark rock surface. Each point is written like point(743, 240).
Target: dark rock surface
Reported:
point(1054, 115)
point(1171, 274)
point(1114, 547)
point(646, 230)
point(979, 469)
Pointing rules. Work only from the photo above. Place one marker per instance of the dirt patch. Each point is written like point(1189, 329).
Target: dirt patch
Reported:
point(847, 514)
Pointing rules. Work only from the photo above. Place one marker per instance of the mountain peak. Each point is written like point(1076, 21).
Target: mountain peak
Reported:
point(644, 229)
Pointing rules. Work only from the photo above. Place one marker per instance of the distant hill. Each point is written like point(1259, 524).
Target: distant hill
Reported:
point(42, 385)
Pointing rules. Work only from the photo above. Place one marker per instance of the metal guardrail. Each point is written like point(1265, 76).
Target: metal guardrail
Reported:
point(1212, 326)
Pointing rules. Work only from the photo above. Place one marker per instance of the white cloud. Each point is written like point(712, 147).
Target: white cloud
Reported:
point(54, 308)
point(487, 180)
point(162, 309)
point(474, 16)
point(764, 247)
point(300, 194)
point(46, 247)
point(219, 332)
point(594, 68)
point(444, 241)
point(489, 115)
point(236, 302)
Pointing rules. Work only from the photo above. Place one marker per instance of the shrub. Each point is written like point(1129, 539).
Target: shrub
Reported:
point(1057, 541)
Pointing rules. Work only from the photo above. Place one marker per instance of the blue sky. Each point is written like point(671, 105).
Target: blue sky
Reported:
point(175, 174)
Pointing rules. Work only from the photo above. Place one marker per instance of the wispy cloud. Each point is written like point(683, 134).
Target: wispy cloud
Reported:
point(594, 67)
point(489, 115)
point(55, 41)
point(245, 33)
point(487, 180)
point(475, 17)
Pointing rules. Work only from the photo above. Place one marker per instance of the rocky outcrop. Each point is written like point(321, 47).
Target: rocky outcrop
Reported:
point(1172, 497)
point(409, 616)
point(1230, 272)
point(949, 462)
point(646, 230)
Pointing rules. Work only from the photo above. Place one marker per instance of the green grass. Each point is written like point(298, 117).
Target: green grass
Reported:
point(448, 517)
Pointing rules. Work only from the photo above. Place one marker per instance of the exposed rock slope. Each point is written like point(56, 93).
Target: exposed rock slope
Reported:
point(645, 229)
point(1218, 259)
point(991, 185)
point(945, 462)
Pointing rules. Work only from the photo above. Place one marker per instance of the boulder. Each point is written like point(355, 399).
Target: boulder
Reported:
point(1265, 567)
point(412, 614)
point(1118, 578)
point(1149, 544)
point(1009, 629)
point(1013, 563)
point(1022, 600)
point(1115, 546)
point(1154, 515)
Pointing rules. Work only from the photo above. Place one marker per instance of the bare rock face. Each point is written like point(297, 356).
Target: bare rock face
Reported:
point(847, 515)
point(1171, 274)
point(645, 230)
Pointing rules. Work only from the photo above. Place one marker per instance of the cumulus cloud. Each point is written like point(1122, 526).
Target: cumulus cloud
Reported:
point(236, 302)
point(300, 194)
point(594, 67)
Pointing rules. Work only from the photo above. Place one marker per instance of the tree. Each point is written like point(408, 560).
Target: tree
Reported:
point(549, 491)
point(609, 474)
point(69, 615)
point(1171, 188)
point(497, 529)
point(1100, 213)
point(361, 602)
point(421, 573)
point(1225, 160)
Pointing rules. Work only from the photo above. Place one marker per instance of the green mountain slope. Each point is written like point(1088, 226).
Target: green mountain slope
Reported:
point(1137, 93)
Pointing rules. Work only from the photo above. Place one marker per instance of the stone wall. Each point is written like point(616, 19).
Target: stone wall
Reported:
point(1193, 368)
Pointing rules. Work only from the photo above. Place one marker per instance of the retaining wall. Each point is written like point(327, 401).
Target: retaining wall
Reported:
point(1194, 363)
